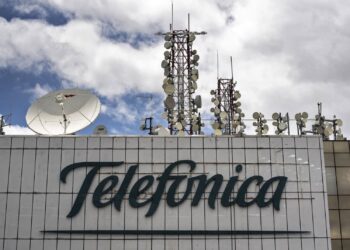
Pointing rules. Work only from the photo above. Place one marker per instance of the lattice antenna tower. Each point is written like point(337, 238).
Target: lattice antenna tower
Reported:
point(227, 111)
point(181, 74)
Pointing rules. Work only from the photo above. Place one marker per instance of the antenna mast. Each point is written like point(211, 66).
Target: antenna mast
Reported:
point(181, 74)
point(4, 122)
point(227, 111)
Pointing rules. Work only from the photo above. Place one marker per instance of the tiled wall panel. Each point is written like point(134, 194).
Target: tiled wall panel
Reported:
point(33, 199)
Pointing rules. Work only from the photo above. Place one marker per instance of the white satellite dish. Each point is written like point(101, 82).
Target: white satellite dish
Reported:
point(339, 122)
point(256, 115)
point(63, 112)
point(164, 64)
point(304, 115)
point(282, 126)
point(161, 131)
point(178, 125)
point(168, 45)
point(169, 89)
point(192, 37)
point(167, 54)
point(217, 132)
point(223, 115)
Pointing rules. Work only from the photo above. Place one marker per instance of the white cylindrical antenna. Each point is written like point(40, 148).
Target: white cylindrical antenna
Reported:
point(172, 16)
point(231, 68)
point(189, 21)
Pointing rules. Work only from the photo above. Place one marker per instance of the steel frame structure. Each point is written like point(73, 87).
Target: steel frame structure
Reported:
point(183, 75)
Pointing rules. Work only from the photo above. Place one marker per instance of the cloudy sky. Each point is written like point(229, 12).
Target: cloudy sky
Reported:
point(287, 55)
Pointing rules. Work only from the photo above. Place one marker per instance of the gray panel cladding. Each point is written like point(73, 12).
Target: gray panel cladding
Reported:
point(34, 200)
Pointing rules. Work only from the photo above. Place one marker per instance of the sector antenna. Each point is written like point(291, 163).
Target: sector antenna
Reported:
point(63, 112)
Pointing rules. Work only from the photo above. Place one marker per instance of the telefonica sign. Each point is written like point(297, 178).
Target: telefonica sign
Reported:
point(143, 184)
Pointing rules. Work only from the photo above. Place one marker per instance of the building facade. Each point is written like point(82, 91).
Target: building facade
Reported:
point(337, 160)
point(84, 192)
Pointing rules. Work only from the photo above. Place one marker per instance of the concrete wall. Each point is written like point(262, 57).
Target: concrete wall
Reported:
point(33, 199)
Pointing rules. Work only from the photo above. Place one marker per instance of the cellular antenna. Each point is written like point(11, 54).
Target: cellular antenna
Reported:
point(172, 16)
point(227, 111)
point(181, 74)
point(188, 21)
point(231, 67)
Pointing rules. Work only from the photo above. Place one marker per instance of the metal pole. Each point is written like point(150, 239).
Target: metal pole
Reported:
point(2, 125)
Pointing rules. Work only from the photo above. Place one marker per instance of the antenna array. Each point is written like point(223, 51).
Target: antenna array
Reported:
point(227, 111)
point(327, 127)
point(181, 74)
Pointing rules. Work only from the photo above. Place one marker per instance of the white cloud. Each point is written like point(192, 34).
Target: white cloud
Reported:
point(288, 55)
point(39, 90)
point(17, 130)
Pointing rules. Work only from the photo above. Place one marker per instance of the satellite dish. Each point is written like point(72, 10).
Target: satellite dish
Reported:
point(167, 37)
point(167, 54)
point(275, 116)
point(100, 130)
point(256, 115)
point(196, 57)
point(212, 92)
point(63, 112)
point(168, 80)
point(282, 126)
point(164, 64)
point(192, 37)
point(328, 131)
point(237, 95)
point(170, 102)
point(297, 116)
point(161, 131)
point(194, 77)
point(304, 115)
point(216, 110)
point(168, 45)
point(215, 125)
point(223, 115)
point(217, 132)
point(178, 125)
point(198, 101)
point(339, 122)
point(169, 89)
point(195, 128)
